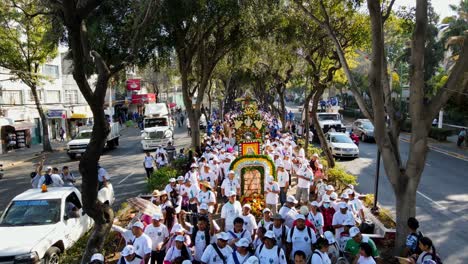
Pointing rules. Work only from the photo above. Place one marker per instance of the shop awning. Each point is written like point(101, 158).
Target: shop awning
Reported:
point(78, 116)
point(23, 125)
point(6, 121)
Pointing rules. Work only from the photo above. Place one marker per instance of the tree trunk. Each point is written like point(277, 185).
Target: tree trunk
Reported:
point(46, 146)
point(283, 110)
point(318, 129)
point(405, 194)
point(306, 120)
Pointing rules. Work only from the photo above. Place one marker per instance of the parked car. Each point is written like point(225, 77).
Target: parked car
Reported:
point(341, 145)
point(364, 129)
point(38, 226)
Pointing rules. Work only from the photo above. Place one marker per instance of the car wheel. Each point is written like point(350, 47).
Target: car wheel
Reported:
point(52, 256)
point(363, 137)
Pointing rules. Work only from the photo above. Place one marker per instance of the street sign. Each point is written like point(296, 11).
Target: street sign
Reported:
point(133, 84)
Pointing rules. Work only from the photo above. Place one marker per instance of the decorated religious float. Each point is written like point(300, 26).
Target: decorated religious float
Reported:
point(251, 166)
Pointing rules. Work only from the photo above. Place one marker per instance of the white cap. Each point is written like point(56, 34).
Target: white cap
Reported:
point(157, 217)
point(194, 165)
point(334, 196)
point(177, 228)
point(127, 251)
point(139, 225)
point(280, 164)
point(270, 179)
point(343, 206)
point(223, 236)
point(315, 155)
point(243, 242)
point(252, 260)
point(203, 206)
point(49, 168)
point(314, 203)
point(304, 210)
point(266, 210)
point(353, 231)
point(180, 178)
point(180, 238)
point(231, 172)
point(270, 234)
point(172, 180)
point(330, 237)
point(186, 262)
point(97, 256)
point(330, 188)
point(231, 193)
point(247, 206)
point(300, 216)
point(326, 199)
point(291, 199)
point(344, 196)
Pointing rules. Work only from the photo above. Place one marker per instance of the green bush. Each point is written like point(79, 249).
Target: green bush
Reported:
point(440, 134)
point(129, 123)
point(180, 165)
point(160, 178)
point(340, 178)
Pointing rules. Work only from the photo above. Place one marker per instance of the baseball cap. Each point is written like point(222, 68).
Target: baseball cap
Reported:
point(49, 168)
point(223, 236)
point(314, 203)
point(343, 206)
point(139, 225)
point(180, 238)
point(98, 257)
point(157, 217)
point(231, 193)
point(344, 196)
point(291, 199)
point(277, 216)
point(127, 251)
point(304, 210)
point(330, 237)
point(270, 234)
point(280, 164)
point(247, 206)
point(231, 172)
point(266, 210)
point(243, 242)
point(354, 231)
point(186, 262)
point(172, 180)
point(177, 228)
point(330, 188)
point(180, 178)
point(270, 179)
point(334, 196)
point(315, 155)
point(300, 217)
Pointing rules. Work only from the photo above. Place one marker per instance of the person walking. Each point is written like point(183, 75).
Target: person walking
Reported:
point(148, 163)
point(62, 134)
point(461, 137)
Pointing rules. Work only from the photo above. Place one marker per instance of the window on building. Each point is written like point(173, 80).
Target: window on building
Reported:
point(53, 96)
point(12, 97)
point(50, 71)
point(71, 96)
point(39, 94)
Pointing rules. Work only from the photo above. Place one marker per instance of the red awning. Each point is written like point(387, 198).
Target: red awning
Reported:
point(143, 98)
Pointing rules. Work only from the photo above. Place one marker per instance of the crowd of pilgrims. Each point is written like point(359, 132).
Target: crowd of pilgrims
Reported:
point(202, 221)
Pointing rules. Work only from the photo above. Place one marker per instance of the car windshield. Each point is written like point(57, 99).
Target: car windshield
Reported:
point(368, 126)
point(328, 117)
point(341, 139)
point(155, 122)
point(32, 212)
point(83, 135)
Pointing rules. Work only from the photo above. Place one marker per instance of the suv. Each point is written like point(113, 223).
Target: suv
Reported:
point(364, 129)
point(38, 226)
point(341, 145)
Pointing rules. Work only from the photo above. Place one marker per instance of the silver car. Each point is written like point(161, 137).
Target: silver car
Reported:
point(364, 129)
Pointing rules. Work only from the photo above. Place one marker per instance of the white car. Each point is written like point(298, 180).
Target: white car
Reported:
point(154, 137)
point(38, 226)
point(341, 145)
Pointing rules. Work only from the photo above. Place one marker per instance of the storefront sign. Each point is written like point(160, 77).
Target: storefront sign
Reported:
point(143, 98)
point(55, 113)
point(133, 84)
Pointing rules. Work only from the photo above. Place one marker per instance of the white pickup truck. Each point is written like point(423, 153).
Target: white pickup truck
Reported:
point(79, 143)
point(154, 137)
point(38, 226)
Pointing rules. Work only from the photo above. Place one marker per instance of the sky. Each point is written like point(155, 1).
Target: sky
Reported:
point(440, 6)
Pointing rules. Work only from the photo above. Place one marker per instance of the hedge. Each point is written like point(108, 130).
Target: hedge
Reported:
point(160, 178)
point(355, 113)
point(440, 134)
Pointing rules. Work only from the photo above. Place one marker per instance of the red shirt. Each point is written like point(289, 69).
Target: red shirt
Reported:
point(327, 217)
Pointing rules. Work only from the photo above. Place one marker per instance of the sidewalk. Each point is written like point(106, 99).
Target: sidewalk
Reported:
point(19, 156)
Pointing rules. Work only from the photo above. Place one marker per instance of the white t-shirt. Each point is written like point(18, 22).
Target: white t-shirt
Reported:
point(301, 182)
point(157, 234)
point(229, 212)
point(283, 178)
point(339, 219)
point(192, 176)
point(356, 205)
point(207, 197)
point(56, 181)
point(136, 260)
point(200, 243)
point(368, 260)
point(249, 222)
point(317, 220)
point(209, 177)
point(279, 233)
point(320, 258)
point(272, 198)
point(240, 258)
point(244, 234)
point(301, 241)
point(283, 211)
point(169, 188)
point(210, 256)
point(230, 185)
point(266, 255)
point(173, 253)
point(142, 245)
point(287, 164)
point(290, 217)
point(149, 162)
point(192, 192)
point(106, 194)
point(264, 223)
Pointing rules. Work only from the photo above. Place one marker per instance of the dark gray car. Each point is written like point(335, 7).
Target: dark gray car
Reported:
point(364, 129)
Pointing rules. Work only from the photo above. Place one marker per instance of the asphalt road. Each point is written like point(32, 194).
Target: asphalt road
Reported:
point(124, 164)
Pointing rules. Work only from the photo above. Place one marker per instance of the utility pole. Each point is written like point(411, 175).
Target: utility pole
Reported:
point(375, 208)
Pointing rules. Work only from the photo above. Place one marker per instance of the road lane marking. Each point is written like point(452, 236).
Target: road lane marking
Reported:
point(436, 149)
point(446, 209)
point(126, 177)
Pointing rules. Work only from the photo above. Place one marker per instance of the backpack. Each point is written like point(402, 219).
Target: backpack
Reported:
point(278, 250)
point(48, 179)
point(283, 233)
point(435, 258)
point(418, 236)
point(308, 232)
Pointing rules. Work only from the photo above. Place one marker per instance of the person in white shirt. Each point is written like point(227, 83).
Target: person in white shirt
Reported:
point(316, 217)
point(219, 252)
point(106, 193)
point(230, 211)
point(201, 234)
point(142, 242)
point(171, 186)
point(250, 223)
point(304, 179)
point(334, 247)
point(159, 234)
point(193, 175)
point(288, 211)
point(178, 250)
point(206, 196)
point(50, 178)
point(128, 256)
point(241, 253)
point(148, 163)
point(283, 182)
point(238, 232)
point(266, 221)
point(320, 254)
point(356, 206)
point(127, 234)
point(269, 252)
point(230, 184)
point(272, 191)
point(208, 175)
point(365, 255)
point(300, 237)
point(280, 230)
point(339, 218)
point(102, 173)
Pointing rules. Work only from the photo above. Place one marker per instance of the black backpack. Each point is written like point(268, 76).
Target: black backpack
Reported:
point(309, 232)
point(418, 236)
point(48, 179)
point(278, 250)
